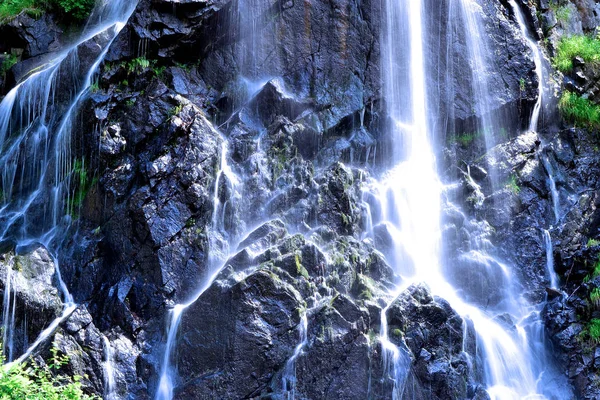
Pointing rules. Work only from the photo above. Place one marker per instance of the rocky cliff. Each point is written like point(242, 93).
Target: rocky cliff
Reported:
point(198, 155)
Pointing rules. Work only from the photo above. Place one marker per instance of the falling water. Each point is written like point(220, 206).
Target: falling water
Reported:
point(550, 260)
point(38, 168)
point(410, 197)
point(477, 46)
point(553, 189)
point(109, 371)
point(216, 263)
point(289, 373)
point(537, 59)
point(412, 184)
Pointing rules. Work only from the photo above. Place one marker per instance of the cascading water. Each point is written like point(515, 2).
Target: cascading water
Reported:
point(38, 167)
point(550, 260)
point(109, 371)
point(477, 46)
point(537, 59)
point(218, 239)
point(410, 197)
point(289, 373)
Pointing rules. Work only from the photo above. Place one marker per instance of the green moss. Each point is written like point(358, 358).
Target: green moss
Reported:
point(579, 111)
point(594, 330)
point(397, 333)
point(586, 47)
point(300, 268)
point(366, 294)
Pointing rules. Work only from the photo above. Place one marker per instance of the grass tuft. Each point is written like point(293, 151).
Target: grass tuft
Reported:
point(580, 111)
point(570, 47)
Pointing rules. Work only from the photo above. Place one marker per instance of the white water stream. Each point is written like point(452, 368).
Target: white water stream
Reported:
point(410, 196)
point(36, 159)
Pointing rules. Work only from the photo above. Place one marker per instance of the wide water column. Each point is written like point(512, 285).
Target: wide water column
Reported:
point(410, 196)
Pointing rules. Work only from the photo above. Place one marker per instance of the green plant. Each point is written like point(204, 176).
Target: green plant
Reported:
point(580, 111)
point(563, 14)
point(94, 87)
point(522, 84)
point(30, 381)
point(569, 47)
point(74, 9)
point(81, 185)
point(8, 64)
point(174, 111)
point(465, 138)
point(593, 243)
point(513, 185)
point(137, 65)
point(594, 330)
point(595, 272)
point(11, 8)
point(300, 270)
point(595, 297)
point(77, 9)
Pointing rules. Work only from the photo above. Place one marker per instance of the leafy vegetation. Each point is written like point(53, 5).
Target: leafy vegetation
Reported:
point(569, 47)
point(8, 64)
point(73, 9)
point(33, 382)
point(78, 9)
point(580, 111)
point(593, 243)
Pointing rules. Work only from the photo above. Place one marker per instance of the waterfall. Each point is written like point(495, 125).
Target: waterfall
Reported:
point(109, 371)
point(219, 237)
point(39, 170)
point(477, 46)
point(537, 59)
point(550, 260)
point(552, 186)
point(410, 197)
point(289, 373)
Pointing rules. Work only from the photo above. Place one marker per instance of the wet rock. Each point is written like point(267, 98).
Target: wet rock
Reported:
point(29, 286)
point(248, 338)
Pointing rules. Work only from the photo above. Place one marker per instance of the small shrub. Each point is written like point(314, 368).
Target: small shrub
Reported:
point(579, 111)
point(570, 47)
point(33, 382)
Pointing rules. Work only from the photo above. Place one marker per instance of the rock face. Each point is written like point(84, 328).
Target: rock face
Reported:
point(236, 180)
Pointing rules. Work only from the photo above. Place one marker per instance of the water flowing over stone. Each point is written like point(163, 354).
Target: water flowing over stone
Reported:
point(41, 178)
